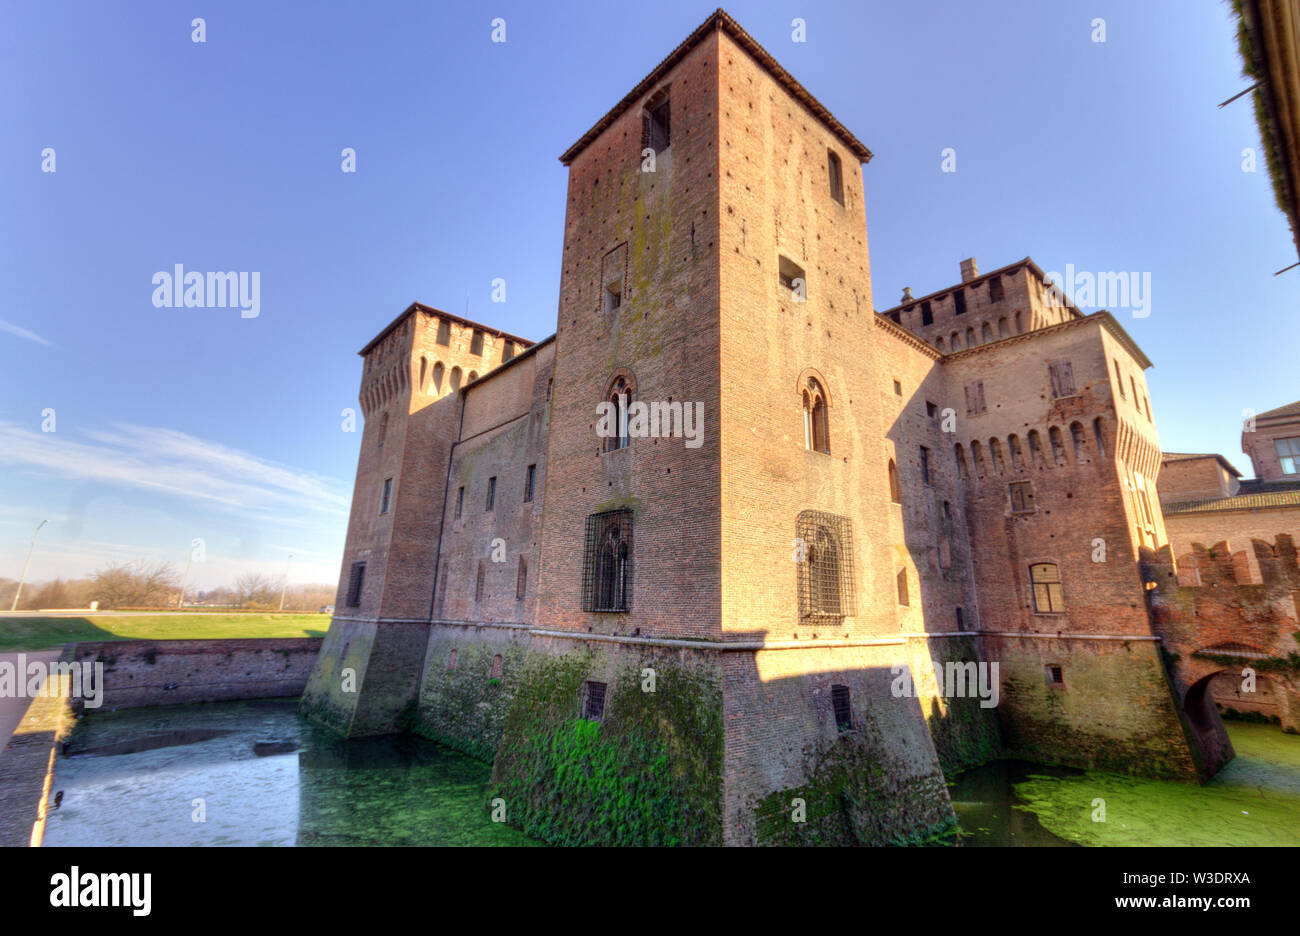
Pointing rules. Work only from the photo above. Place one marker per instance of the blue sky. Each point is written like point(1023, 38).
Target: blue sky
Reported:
point(174, 423)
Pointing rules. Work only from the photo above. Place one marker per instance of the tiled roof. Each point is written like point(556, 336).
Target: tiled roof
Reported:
point(1167, 457)
point(1268, 500)
point(1291, 409)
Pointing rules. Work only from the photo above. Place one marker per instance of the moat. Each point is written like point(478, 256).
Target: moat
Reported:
point(254, 773)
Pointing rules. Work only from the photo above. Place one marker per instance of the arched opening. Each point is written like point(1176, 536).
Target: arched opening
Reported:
point(995, 456)
point(1017, 458)
point(986, 333)
point(619, 398)
point(1035, 449)
point(962, 471)
point(438, 371)
point(1076, 440)
point(455, 378)
point(1004, 330)
point(816, 425)
point(424, 366)
point(1097, 433)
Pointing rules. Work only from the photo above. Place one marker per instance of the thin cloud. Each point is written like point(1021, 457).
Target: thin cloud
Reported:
point(21, 332)
point(175, 463)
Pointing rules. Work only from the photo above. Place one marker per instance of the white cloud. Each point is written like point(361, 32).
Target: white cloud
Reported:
point(24, 333)
point(178, 464)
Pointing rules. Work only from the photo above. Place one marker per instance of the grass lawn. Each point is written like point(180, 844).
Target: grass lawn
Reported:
point(40, 633)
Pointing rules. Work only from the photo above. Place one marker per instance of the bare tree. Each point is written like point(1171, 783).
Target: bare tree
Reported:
point(139, 584)
point(253, 589)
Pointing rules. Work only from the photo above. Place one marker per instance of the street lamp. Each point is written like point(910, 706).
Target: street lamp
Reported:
point(285, 585)
point(14, 606)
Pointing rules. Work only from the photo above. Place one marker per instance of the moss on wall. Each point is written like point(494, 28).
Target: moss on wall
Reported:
point(650, 773)
point(852, 797)
point(465, 708)
point(965, 733)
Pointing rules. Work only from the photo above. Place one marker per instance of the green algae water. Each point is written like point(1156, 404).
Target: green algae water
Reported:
point(1255, 800)
point(254, 773)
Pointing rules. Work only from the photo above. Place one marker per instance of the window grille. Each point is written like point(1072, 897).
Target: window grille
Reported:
point(607, 565)
point(826, 591)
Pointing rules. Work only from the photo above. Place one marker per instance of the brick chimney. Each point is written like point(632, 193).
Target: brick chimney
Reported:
point(968, 270)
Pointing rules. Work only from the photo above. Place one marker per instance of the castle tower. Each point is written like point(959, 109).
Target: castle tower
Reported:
point(412, 374)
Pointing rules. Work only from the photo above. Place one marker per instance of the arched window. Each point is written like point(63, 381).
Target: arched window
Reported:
point(438, 371)
point(473, 376)
point(1013, 445)
point(1034, 448)
point(970, 338)
point(1076, 439)
point(424, 365)
point(1098, 428)
point(977, 458)
point(1058, 446)
point(995, 456)
point(954, 341)
point(451, 658)
point(1004, 331)
point(383, 429)
point(986, 333)
point(611, 573)
point(1020, 323)
point(620, 397)
point(826, 573)
point(962, 471)
point(895, 492)
point(816, 428)
point(455, 378)
point(607, 562)
point(824, 560)
point(938, 342)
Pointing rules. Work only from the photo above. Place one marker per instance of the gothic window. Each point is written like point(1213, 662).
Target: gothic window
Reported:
point(607, 566)
point(620, 396)
point(826, 591)
point(1045, 578)
point(816, 431)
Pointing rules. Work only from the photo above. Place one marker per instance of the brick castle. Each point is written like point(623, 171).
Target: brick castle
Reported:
point(744, 638)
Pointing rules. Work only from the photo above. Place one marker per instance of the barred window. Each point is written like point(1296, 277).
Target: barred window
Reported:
point(607, 565)
point(826, 590)
point(843, 708)
point(593, 701)
point(1045, 578)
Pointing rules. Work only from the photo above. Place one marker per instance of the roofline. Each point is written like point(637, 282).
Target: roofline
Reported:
point(430, 310)
point(1275, 413)
point(1102, 318)
point(720, 20)
point(909, 336)
point(1000, 271)
point(508, 364)
point(1192, 456)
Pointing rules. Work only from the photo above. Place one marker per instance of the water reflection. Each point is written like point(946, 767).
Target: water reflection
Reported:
point(255, 774)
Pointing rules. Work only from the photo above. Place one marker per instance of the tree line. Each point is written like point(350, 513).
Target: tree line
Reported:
point(153, 584)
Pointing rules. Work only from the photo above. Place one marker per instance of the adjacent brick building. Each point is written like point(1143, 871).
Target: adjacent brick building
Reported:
point(741, 628)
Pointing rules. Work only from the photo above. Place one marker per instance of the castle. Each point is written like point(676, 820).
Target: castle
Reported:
point(669, 643)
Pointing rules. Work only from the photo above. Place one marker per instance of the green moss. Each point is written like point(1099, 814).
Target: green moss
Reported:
point(649, 774)
point(1255, 800)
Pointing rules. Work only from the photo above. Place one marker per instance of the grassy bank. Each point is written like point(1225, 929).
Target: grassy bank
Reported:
point(40, 633)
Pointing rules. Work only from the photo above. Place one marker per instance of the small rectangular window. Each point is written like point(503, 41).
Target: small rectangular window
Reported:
point(1119, 379)
point(1045, 579)
point(1288, 454)
point(444, 332)
point(902, 587)
point(386, 496)
point(1022, 497)
point(959, 302)
point(840, 701)
point(961, 620)
point(836, 176)
point(995, 289)
point(521, 580)
point(791, 278)
point(355, 582)
point(925, 464)
point(491, 493)
point(593, 701)
point(460, 502)
point(659, 127)
point(931, 410)
point(927, 313)
point(528, 483)
point(507, 351)
point(1055, 675)
point(476, 343)
point(975, 398)
point(613, 296)
point(898, 388)
point(478, 583)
